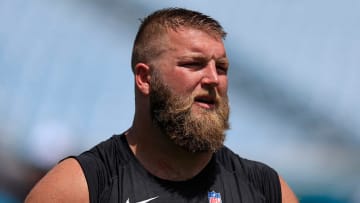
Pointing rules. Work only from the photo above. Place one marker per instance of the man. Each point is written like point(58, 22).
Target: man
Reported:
point(173, 152)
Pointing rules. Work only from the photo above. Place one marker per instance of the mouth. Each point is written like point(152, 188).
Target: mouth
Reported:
point(205, 101)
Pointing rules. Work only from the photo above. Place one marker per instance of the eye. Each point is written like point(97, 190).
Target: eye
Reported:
point(222, 69)
point(192, 64)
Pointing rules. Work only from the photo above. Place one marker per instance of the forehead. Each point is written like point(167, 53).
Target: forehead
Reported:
point(189, 41)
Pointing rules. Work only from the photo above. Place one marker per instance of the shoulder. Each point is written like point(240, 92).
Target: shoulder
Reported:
point(81, 178)
point(63, 183)
point(287, 194)
point(105, 156)
point(262, 176)
point(108, 148)
point(232, 161)
point(101, 163)
point(257, 174)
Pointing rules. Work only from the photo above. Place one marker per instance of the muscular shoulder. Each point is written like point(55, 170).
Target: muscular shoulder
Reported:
point(64, 183)
point(103, 163)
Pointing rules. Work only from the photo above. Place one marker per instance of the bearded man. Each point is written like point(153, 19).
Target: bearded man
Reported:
point(174, 151)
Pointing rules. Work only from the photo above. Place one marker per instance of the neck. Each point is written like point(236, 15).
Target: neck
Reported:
point(161, 157)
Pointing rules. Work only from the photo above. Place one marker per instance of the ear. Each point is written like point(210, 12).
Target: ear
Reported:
point(142, 78)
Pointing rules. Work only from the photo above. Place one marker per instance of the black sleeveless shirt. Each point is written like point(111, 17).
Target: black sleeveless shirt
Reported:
point(113, 174)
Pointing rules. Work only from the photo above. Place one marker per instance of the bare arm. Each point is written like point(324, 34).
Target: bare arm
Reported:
point(64, 183)
point(287, 194)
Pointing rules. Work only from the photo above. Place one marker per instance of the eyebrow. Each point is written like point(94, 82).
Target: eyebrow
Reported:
point(221, 60)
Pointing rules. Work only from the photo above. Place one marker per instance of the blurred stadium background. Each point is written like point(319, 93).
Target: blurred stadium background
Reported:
point(66, 84)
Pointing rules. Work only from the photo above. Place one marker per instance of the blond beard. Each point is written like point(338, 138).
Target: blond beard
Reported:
point(173, 115)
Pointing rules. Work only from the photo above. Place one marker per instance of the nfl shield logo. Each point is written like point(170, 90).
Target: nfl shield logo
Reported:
point(214, 197)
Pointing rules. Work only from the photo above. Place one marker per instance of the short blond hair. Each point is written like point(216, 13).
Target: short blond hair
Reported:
point(154, 26)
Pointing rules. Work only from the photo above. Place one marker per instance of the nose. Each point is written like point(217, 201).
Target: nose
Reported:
point(210, 75)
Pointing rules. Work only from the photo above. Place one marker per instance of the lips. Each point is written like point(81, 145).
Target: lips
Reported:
point(205, 101)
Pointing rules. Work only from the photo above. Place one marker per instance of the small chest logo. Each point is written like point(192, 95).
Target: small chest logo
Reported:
point(144, 201)
point(214, 197)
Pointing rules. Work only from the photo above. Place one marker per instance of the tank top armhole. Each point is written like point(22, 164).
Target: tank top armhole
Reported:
point(93, 173)
point(100, 164)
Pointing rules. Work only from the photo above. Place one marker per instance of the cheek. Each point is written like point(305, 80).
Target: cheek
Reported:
point(181, 85)
point(223, 87)
point(186, 83)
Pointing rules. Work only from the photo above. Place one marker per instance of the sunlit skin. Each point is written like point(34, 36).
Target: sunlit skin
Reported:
point(191, 63)
point(194, 63)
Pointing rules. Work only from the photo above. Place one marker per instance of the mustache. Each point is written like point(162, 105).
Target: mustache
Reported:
point(188, 101)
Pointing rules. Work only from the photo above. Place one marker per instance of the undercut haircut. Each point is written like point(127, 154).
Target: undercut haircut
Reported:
point(147, 44)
